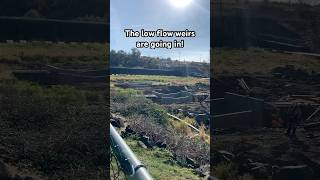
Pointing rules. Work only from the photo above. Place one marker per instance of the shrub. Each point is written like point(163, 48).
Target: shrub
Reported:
point(127, 103)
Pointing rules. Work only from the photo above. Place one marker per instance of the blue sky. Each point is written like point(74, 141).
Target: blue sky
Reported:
point(162, 14)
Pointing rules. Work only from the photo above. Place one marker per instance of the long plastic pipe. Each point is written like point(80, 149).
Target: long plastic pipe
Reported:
point(138, 170)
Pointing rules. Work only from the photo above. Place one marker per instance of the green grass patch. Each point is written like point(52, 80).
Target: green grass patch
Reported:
point(160, 163)
point(174, 80)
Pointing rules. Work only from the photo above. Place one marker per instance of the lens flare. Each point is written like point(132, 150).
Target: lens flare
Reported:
point(180, 3)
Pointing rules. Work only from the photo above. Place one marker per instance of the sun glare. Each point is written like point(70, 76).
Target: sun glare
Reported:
point(180, 3)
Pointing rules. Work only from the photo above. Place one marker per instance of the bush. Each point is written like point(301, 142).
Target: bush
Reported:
point(127, 103)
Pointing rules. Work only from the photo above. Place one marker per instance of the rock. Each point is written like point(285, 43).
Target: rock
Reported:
point(146, 140)
point(141, 144)
point(191, 115)
point(161, 144)
point(4, 172)
point(192, 163)
point(210, 178)
point(222, 156)
point(301, 172)
point(129, 130)
point(203, 171)
point(117, 121)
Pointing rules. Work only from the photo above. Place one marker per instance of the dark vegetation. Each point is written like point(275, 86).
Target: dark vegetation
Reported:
point(50, 122)
point(92, 10)
point(57, 131)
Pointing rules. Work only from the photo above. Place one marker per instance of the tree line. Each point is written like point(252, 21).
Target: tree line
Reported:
point(134, 59)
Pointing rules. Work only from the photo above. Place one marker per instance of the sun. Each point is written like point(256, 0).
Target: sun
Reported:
point(180, 3)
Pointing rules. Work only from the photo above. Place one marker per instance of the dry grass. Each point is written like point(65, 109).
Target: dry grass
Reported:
point(191, 121)
point(182, 128)
point(203, 134)
point(255, 60)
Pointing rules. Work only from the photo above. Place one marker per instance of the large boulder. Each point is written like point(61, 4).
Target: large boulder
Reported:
point(142, 145)
point(146, 140)
point(192, 163)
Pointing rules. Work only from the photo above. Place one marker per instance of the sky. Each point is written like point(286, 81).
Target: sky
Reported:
point(162, 14)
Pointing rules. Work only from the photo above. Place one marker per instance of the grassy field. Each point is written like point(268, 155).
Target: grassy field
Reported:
point(170, 80)
point(255, 60)
point(75, 56)
point(51, 50)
